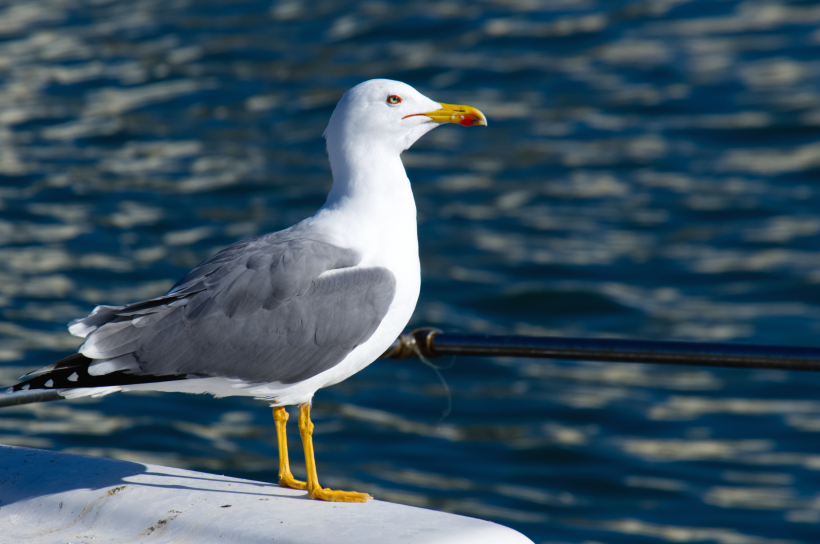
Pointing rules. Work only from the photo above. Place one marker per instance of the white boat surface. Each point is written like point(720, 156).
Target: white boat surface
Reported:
point(49, 497)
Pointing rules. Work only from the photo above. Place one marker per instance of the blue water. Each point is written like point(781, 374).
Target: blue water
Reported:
point(651, 170)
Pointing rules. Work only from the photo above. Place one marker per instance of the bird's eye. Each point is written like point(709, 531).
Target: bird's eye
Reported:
point(393, 99)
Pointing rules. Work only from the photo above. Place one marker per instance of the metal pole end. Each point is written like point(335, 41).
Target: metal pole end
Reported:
point(412, 344)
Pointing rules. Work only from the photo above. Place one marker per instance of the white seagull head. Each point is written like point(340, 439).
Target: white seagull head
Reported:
point(384, 113)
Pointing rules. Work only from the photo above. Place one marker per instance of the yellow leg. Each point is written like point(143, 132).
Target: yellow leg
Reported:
point(315, 491)
point(286, 479)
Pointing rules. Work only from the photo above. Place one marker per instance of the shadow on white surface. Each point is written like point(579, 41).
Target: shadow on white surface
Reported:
point(48, 497)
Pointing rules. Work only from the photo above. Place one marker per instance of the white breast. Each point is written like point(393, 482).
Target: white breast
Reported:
point(384, 239)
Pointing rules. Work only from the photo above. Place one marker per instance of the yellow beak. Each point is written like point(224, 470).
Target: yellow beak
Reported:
point(450, 113)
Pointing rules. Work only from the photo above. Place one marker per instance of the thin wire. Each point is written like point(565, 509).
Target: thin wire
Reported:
point(437, 369)
point(448, 366)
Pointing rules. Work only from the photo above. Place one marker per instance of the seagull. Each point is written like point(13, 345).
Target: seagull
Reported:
point(281, 315)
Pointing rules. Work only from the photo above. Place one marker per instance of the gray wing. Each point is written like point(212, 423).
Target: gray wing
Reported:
point(260, 310)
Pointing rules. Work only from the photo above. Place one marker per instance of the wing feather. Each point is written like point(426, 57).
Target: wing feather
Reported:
point(277, 308)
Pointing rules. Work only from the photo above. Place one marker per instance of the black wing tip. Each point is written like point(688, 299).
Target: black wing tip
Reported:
point(72, 373)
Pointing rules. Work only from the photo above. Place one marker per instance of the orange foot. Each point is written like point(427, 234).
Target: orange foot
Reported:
point(324, 494)
point(288, 480)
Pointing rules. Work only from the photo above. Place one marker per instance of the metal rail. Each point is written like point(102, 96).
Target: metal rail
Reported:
point(434, 343)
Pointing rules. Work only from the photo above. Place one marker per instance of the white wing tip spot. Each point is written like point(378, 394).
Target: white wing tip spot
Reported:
point(74, 377)
point(49, 383)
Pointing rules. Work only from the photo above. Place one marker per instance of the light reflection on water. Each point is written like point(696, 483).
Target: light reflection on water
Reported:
point(650, 171)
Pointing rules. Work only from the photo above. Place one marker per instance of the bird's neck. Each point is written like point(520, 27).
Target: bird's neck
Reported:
point(372, 194)
point(369, 180)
